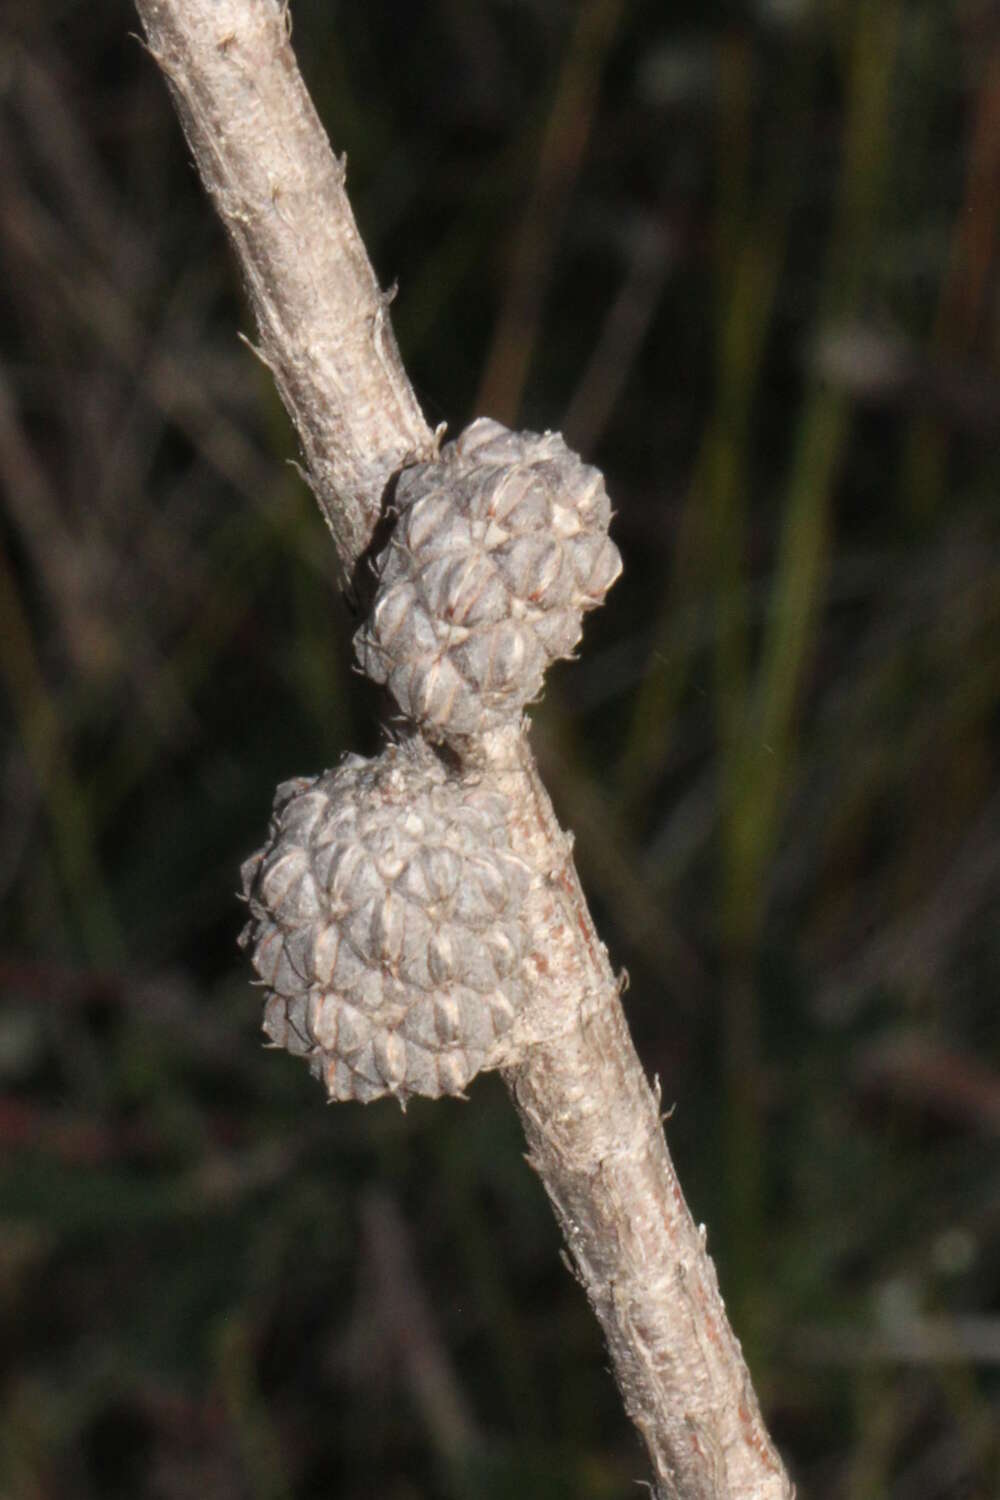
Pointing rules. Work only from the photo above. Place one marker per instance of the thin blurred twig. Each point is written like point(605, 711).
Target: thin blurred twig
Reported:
point(560, 157)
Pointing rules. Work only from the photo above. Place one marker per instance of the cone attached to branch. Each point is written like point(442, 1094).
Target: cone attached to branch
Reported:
point(385, 924)
point(499, 548)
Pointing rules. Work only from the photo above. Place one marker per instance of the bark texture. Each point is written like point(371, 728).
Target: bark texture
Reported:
point(322, 321)
point(592, 1122)
point(595, 1137)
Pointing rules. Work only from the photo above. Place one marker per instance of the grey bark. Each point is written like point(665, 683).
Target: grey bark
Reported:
point(322, 321)
point(592, 1122)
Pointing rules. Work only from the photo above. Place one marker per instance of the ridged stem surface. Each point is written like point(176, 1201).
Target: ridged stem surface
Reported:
point(322, 321)
point(595, 1137)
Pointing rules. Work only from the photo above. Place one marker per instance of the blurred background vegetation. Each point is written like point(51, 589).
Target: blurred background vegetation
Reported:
point(747, 257)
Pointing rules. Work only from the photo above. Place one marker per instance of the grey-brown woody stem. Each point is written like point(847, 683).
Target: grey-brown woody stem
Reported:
point(592, 1122)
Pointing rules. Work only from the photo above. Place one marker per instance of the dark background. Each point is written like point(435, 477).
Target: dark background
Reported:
point(746, 257)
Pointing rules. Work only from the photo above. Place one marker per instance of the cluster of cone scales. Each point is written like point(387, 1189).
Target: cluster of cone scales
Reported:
point(385, 926)
point(385, 905)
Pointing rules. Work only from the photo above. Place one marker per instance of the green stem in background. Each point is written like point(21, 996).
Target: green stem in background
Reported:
point(758, 766)
point(67, 808)
point(254, 1434)
point(560, 157)
point(964, 301)
point(712, 525)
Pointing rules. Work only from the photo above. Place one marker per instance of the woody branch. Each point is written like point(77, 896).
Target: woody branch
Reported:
point(592, 1122)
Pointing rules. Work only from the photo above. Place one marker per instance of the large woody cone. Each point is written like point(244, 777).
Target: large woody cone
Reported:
point(384, 921)
point(499, 548)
